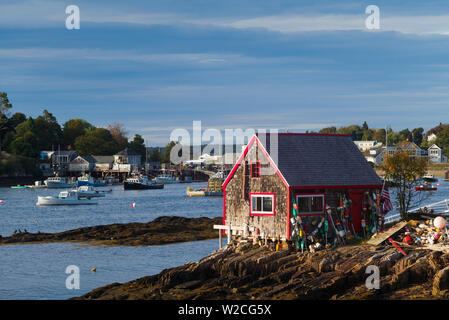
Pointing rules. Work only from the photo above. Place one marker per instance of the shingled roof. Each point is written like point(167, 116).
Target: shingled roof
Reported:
point(321, 160)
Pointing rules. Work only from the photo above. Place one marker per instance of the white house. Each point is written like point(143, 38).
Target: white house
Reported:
point(127, 159)
point(367, 145)
point(431, 137)
point(82, 164)
point(435, 154)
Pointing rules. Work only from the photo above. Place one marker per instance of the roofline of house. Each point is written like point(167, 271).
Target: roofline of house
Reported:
point(372, 186)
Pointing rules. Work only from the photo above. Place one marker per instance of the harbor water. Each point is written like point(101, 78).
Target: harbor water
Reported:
point(37, 271)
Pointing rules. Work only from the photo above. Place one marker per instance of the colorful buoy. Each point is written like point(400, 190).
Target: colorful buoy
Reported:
point(133, 204)
point(93, 269)
point(1, 201)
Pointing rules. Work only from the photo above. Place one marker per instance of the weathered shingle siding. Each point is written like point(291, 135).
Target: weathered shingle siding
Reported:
point(237, 211)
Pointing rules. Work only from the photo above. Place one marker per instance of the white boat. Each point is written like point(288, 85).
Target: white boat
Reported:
point(166, 179)
point(88, 192)
point(58, 182)
point(64, 198)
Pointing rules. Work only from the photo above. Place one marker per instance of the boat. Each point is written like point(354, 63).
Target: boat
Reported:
point(429, 178)
point(64, 198)
point(89, 192)
point(140, 182)
point(88, 181)
point(425, 188)
point(36, 185)
point(190, 192)
point(19, 187)
point(58, 182)
point(166, 179)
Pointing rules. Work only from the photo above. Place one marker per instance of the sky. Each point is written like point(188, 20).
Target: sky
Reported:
point(159, 65)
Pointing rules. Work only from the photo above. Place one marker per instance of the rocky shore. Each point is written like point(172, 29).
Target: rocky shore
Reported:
point(162, 230)
point(247, 271)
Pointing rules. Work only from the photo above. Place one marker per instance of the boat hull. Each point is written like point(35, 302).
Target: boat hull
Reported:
point(87, 183)
point(425, 189)
point(58, 185)
point(165, 181)
point(54, 201)
point(139, 186)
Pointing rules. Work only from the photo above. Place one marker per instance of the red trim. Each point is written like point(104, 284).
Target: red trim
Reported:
point(288, 212)
point(255, 165)
point(239, 161)
point(305, 134)
point(254, 138)
point(272, 162)
point(338, 187)
point(258, 213)
point(312, 194)
point(224, 207)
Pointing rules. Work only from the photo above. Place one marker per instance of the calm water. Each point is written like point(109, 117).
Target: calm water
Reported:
point(38, 271)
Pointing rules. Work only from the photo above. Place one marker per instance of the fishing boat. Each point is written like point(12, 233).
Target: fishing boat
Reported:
point(140, 182)
point(64, 198)
point(429, 178)
point(425, 188)
point(88, 181)
point(190, 192)
point(19, 187)
point(166, 179)
point(89, 192)
point(58, 182)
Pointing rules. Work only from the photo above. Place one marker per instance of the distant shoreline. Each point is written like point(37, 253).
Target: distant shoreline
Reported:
point(162, 230)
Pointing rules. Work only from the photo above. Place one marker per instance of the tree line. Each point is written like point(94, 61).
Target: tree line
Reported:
point(25, 137)
point(416, 135)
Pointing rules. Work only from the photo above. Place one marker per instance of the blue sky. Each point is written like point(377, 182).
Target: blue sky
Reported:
point(159, 65)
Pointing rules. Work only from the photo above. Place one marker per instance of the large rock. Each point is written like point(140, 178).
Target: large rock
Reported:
point(441, 282)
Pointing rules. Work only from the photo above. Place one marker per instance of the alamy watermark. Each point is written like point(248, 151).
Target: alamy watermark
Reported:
point(373, 281)
point(73, 20)
point(73, 280)
point(372, 22)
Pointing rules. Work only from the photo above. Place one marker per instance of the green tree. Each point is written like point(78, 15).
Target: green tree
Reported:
point(73, 129)
point(380, 135)
point(418, 135)
point(48, 131)
point(405, 172)
point(442, 141)
point(138, 145)
point(354, 131)
point(165, 157)
point(155, 156)
point(97, 142)
point(329, 130)
point(5, 105)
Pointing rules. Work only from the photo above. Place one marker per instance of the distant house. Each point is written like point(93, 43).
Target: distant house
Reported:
point(103, 162)
point(435, 154)
point(313, 171)
point(129, 159)
point(431, 137)
point(367, 145)
point(82, 164)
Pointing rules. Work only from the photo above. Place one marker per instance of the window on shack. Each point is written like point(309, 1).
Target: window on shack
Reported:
point(309, 204)
point(255, 169)
point(262, 204)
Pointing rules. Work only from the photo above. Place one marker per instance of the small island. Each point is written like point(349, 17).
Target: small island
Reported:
point(162, 230)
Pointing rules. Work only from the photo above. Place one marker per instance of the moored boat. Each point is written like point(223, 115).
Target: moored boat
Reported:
point(140, 182)
point(190, 192)
point(88, 181)
point(429, 178)
point(64, 198)
point(58, 182)
point(166, 179)
point(88, 192)
point(425, 188)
